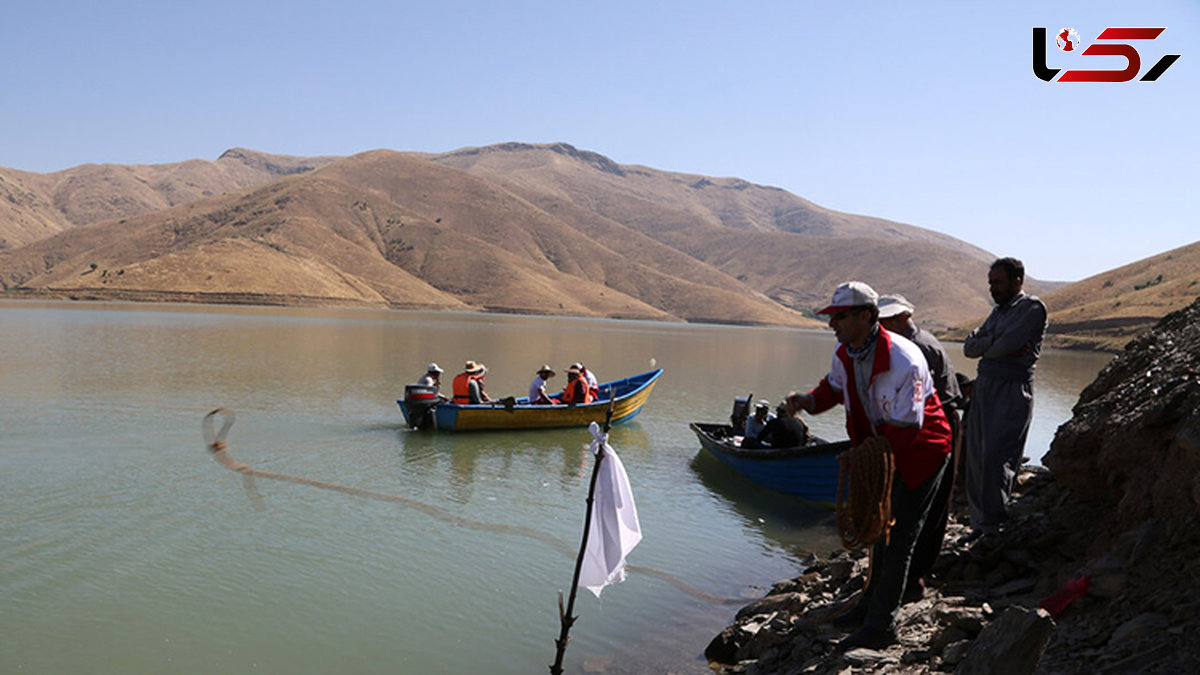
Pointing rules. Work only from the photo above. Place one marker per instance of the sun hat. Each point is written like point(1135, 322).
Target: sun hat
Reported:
point(546, 369)
point(894, 305)
point(849, 295)
point(472, 367)
point(434, 368)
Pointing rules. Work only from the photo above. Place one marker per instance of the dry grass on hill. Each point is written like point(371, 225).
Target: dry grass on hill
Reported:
point(539, 229)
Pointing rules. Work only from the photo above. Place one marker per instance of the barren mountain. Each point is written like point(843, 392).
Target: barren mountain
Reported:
point(34, 206)
point(381, 228)
point(1107, 310)
point(542, 229)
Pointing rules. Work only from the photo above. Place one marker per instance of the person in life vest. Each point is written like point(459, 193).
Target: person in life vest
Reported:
point(468, 385)
point(577, 390)
point(590, 378)
point(884, 384)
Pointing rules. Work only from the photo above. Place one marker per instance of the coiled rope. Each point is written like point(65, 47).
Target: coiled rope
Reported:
point(214, 439)
point(865, 515)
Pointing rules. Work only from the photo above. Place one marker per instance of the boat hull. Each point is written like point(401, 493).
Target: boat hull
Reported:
point(809, 472)
point(631, 394)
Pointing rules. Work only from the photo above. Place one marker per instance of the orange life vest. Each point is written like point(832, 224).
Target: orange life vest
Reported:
point(462, 387)
point(594, 391)
point(577, 391)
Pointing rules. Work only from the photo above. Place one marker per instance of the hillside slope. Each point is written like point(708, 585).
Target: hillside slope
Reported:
point(34, 206)
point(381, 228)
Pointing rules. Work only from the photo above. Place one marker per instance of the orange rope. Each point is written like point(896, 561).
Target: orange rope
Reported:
point(865, 515)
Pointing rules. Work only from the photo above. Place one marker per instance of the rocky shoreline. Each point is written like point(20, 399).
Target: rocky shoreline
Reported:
point(1119, 506)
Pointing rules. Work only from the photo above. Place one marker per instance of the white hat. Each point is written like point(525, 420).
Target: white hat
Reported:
point(849, 295)
point(894, 305)
point(763, 403)
point(434, 368)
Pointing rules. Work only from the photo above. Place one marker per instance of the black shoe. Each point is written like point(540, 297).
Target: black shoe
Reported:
point(867, 637)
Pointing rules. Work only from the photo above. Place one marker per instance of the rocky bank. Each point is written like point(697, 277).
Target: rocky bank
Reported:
point(1118, 505)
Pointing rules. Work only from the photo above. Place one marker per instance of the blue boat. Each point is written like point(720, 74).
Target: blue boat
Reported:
point(809, 472)
point(422, 410)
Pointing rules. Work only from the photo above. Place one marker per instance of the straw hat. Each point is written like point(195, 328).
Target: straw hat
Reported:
point(546, 369)
point(472, 367)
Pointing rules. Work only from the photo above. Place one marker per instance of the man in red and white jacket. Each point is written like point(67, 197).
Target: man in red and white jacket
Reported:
point(884, 384)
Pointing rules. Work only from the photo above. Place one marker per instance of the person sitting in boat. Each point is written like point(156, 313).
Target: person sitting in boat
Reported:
point(468, 385)
point(537, 388)
point(590, 378)
point(785, 430)
point(756, 422)
point(433, 378)
point(577, 390)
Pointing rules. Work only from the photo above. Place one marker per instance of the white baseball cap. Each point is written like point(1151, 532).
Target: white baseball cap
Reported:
point(894, 305)
point(849, 295)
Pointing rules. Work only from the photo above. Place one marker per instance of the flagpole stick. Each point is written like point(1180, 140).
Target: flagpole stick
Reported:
point(565, 618)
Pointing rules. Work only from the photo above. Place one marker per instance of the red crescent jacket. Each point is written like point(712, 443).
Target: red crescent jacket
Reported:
point(904, 405)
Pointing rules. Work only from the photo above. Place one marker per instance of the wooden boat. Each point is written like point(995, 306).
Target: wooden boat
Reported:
point(630, 393)
point(809, 472)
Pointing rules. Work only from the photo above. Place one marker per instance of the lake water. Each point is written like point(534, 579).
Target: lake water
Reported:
point(127, 549)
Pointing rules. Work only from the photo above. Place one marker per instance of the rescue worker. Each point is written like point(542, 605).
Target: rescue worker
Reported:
point(468, 385)
point(577, 390)
point(1008, 345)
point(884, 384)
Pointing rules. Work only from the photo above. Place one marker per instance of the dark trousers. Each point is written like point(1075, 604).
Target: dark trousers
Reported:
point(891, 561)
point(929, 543)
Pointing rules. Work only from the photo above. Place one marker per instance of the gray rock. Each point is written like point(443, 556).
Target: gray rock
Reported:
point(1013, 644)
point(1138, 627)
point(955, 652)
point(1015, 586)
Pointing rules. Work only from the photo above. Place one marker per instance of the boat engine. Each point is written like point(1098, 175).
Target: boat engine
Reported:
point(420, 400)
point(741, 411)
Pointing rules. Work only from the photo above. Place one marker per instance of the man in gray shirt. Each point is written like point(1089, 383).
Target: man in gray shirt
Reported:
point(1008, 345)
point(896, 315)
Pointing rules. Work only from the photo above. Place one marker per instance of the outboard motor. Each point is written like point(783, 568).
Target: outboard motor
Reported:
point(741, 411)
point(420, 401)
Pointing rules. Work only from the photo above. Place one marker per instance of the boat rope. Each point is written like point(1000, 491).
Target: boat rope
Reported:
point(214, 440)
point(865, 515)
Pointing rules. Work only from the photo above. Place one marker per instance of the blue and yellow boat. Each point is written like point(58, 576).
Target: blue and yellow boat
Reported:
point(422, 410)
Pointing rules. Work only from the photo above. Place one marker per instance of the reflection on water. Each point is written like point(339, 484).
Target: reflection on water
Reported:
point(121, 533)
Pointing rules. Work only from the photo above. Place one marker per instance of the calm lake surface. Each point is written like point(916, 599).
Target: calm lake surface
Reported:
point(127, 549)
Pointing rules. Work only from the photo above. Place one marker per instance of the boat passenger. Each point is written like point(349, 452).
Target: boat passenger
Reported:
point(756, 422)
point(433, 378)
point(537, 388)
point(590, 378)
point(468, 385)
point(577, 390)
point(785, 430)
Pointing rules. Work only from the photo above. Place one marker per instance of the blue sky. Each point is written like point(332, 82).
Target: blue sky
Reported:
point(923, 112)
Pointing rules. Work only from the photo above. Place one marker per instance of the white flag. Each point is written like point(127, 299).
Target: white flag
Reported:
point(614, 528)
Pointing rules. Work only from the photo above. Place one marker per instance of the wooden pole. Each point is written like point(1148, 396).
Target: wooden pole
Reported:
point(565, 618)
